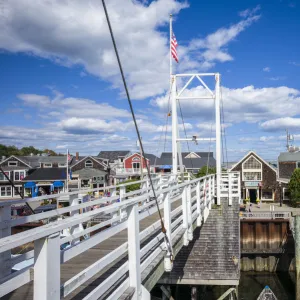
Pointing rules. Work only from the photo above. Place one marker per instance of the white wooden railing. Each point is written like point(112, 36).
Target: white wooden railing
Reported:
point(124, 210)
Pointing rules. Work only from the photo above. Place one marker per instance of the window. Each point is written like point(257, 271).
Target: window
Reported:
point(121, 159)
point(6, 191)
point(3, 178)
point(286, 194)
point(20, 189)
point(135, 165)
point(136, 159)
point(62, 165)
point(12, 163)
point(267, 194)
point(251, 163)
point(255, 176)
point(252, 169)
point(298, 164)
point(47, 165)
point(88, 164)
point(19, 175)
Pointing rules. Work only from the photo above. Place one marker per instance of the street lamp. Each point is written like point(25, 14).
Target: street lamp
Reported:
point(280, 196)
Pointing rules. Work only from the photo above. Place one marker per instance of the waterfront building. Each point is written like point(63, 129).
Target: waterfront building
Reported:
point(258, 179)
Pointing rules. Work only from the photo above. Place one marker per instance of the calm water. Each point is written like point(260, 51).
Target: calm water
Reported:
point(251, 285)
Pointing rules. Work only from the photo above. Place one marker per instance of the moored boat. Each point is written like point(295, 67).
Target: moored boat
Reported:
point(267, 294)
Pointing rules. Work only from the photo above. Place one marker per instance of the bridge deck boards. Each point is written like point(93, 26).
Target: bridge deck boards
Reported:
point(84, 260)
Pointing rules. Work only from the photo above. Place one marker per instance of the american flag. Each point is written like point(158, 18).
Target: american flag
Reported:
point(173, 47)
point(69, 156)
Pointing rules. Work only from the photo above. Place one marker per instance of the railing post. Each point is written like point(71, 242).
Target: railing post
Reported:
point(134, 251)
point(230, 183)
point(167, 221)
point(209, 192)
point(185, 223)
point(189, 212)
point(73, 200)
point(47, 268)
point(198, 196)
point(214, 187)
point(122, 198)
point(5, 218)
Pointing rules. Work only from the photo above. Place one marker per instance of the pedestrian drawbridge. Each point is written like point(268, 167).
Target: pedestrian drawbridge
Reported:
point(115, 248)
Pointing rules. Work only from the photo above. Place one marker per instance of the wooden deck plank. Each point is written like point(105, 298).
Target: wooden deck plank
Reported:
point(84, 260)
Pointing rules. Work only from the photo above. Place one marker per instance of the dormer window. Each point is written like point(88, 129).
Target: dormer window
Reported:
point(12, 163)
point(88, 164)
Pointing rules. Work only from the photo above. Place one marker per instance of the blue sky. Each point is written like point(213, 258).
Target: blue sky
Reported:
point(60, 85)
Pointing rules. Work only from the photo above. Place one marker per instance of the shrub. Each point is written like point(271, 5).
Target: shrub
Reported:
point(294, 188)
point(132, 187)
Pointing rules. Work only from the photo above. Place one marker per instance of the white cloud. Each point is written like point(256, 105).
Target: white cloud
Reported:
point(34, 100)
point(212, 48)
point(249, 12)
point(281, 124)
point(294, 63)
point(247, 104)
point(277, 78)
point(75, 33)
point(266, 69)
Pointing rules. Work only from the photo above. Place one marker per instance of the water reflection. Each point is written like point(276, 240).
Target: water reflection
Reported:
point(251, 285)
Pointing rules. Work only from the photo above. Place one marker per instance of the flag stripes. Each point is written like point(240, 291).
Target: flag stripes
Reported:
point(174, 45)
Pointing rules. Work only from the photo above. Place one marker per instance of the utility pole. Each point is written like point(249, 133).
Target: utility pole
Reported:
point(287, 140)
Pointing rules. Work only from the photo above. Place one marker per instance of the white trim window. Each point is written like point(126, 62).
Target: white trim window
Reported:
point(13, 163)
point(136, 165)
point(252, 169)
point(6, 191)
point(19, 175)
point(47, 165)
point(3, 178)
point(267, 194)
point(62, 165)
point(20, 189)
point(89, 164)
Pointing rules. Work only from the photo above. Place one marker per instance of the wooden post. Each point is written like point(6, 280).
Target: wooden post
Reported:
point(47, 268)
point(134, 251)
point(167, 221)
point(185, 217)
point(122, 198)
point(198, 196)
point(296, 217)
point(189, 212)
point(230, 182)
point(5, 217)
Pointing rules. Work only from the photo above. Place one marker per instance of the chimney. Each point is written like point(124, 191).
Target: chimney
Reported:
point(77, 156)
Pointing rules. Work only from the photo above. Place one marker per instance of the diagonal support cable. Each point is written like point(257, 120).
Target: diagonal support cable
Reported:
point(163, 229)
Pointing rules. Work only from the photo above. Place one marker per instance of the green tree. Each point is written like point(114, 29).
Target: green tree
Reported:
point(132, 187)
point(206, 171)
point(294, 188)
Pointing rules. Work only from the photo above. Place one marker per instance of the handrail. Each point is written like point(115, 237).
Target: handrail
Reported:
point(196, 196)
point(229, 292)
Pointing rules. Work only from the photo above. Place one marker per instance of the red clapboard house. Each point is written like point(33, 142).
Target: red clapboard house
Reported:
point(132, 163)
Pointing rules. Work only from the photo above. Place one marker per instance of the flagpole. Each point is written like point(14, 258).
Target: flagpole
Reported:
point(170, 52)
point(67, 184)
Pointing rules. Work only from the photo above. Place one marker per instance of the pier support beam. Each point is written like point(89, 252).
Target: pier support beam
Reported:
point(296, 216)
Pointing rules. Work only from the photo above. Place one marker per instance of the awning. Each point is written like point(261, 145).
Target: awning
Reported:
point(166, 167)
point(58, 184)
point(29, 184)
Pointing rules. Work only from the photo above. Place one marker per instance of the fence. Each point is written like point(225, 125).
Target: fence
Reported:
point(122, 210)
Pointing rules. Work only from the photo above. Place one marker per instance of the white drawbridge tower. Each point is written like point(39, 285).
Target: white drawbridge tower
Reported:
point(214, 95)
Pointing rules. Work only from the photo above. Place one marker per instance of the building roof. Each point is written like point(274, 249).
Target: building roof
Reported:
point(113, 155)
point(89, 173)
point(255, 154)
point(152, 158)
point(45, 174)
point(189, 163)
point(289, 156)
